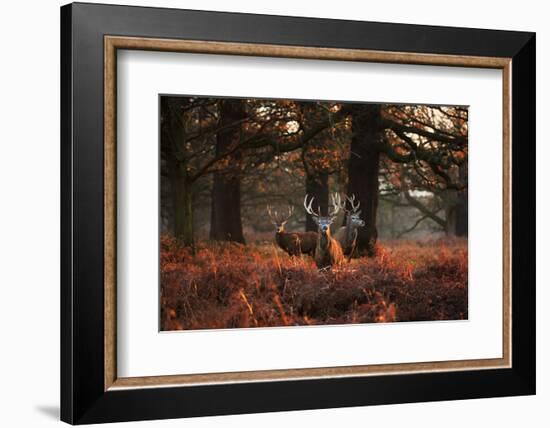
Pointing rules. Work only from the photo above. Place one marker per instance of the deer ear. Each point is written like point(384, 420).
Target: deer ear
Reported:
point(284, 222)
point(359, 212)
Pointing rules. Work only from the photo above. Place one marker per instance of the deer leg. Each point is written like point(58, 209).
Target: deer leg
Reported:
point(350, 256)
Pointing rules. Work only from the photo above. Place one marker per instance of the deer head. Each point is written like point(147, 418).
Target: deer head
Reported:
point(279, 221)
point(354, 214)
point(323, 222)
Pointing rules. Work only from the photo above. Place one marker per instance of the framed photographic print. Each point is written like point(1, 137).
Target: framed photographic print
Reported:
point(265, 213)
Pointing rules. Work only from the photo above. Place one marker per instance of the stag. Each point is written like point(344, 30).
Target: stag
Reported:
point(347, 235)
point(294, 243)
point(328, 251)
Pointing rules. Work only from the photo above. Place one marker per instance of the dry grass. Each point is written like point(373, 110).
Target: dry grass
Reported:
point(226, 285)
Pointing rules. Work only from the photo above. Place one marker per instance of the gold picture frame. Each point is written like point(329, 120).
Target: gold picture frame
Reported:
point(114, 43)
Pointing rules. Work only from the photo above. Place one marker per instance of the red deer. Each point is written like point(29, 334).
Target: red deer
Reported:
point(347, 235)
point(328, 251)
point(294, 243)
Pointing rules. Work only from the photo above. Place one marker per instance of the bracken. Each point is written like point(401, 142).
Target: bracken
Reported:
point(228, 285)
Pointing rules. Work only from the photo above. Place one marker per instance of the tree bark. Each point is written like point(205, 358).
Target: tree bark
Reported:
point(461, 228)
point(180, 195)
point(317, 186)
point(225, 222)
point(392, 219)
point(182, 203)
point(363, 170)
point(461, 222)
point(450, 220)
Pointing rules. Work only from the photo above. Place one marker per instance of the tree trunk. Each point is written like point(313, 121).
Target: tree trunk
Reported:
point(450, 220)
point(317, 186)
point(225, 222)
point(453, 212)
point(461, 228)
point(461, 222)
point(182, 203)
point(364, 168)
point(392, 219)
point(166, 198)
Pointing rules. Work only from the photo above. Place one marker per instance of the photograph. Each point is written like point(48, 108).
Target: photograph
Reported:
point(286, 212)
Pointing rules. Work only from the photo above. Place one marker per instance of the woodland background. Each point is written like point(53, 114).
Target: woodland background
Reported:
point(224, 160)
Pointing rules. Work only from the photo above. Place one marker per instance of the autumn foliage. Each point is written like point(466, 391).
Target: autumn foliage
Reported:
point(227, 285)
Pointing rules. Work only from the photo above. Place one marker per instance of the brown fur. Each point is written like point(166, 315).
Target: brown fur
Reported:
point(296, 243)
point(347, 234)
point(347, 242)
point(328, 252)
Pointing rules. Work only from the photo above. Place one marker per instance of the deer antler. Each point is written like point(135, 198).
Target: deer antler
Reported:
point(341, 204)
point(272, 216)
point(336, 205)
point(354, 206)
point(276, 218)
point(290, 211)
point(308, 208)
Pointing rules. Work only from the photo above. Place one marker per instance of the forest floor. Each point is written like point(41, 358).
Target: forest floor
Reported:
point(227, 285)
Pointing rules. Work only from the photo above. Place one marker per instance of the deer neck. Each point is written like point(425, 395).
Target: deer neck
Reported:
point(279, 235)
point(324, 239)
point(349, 229)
